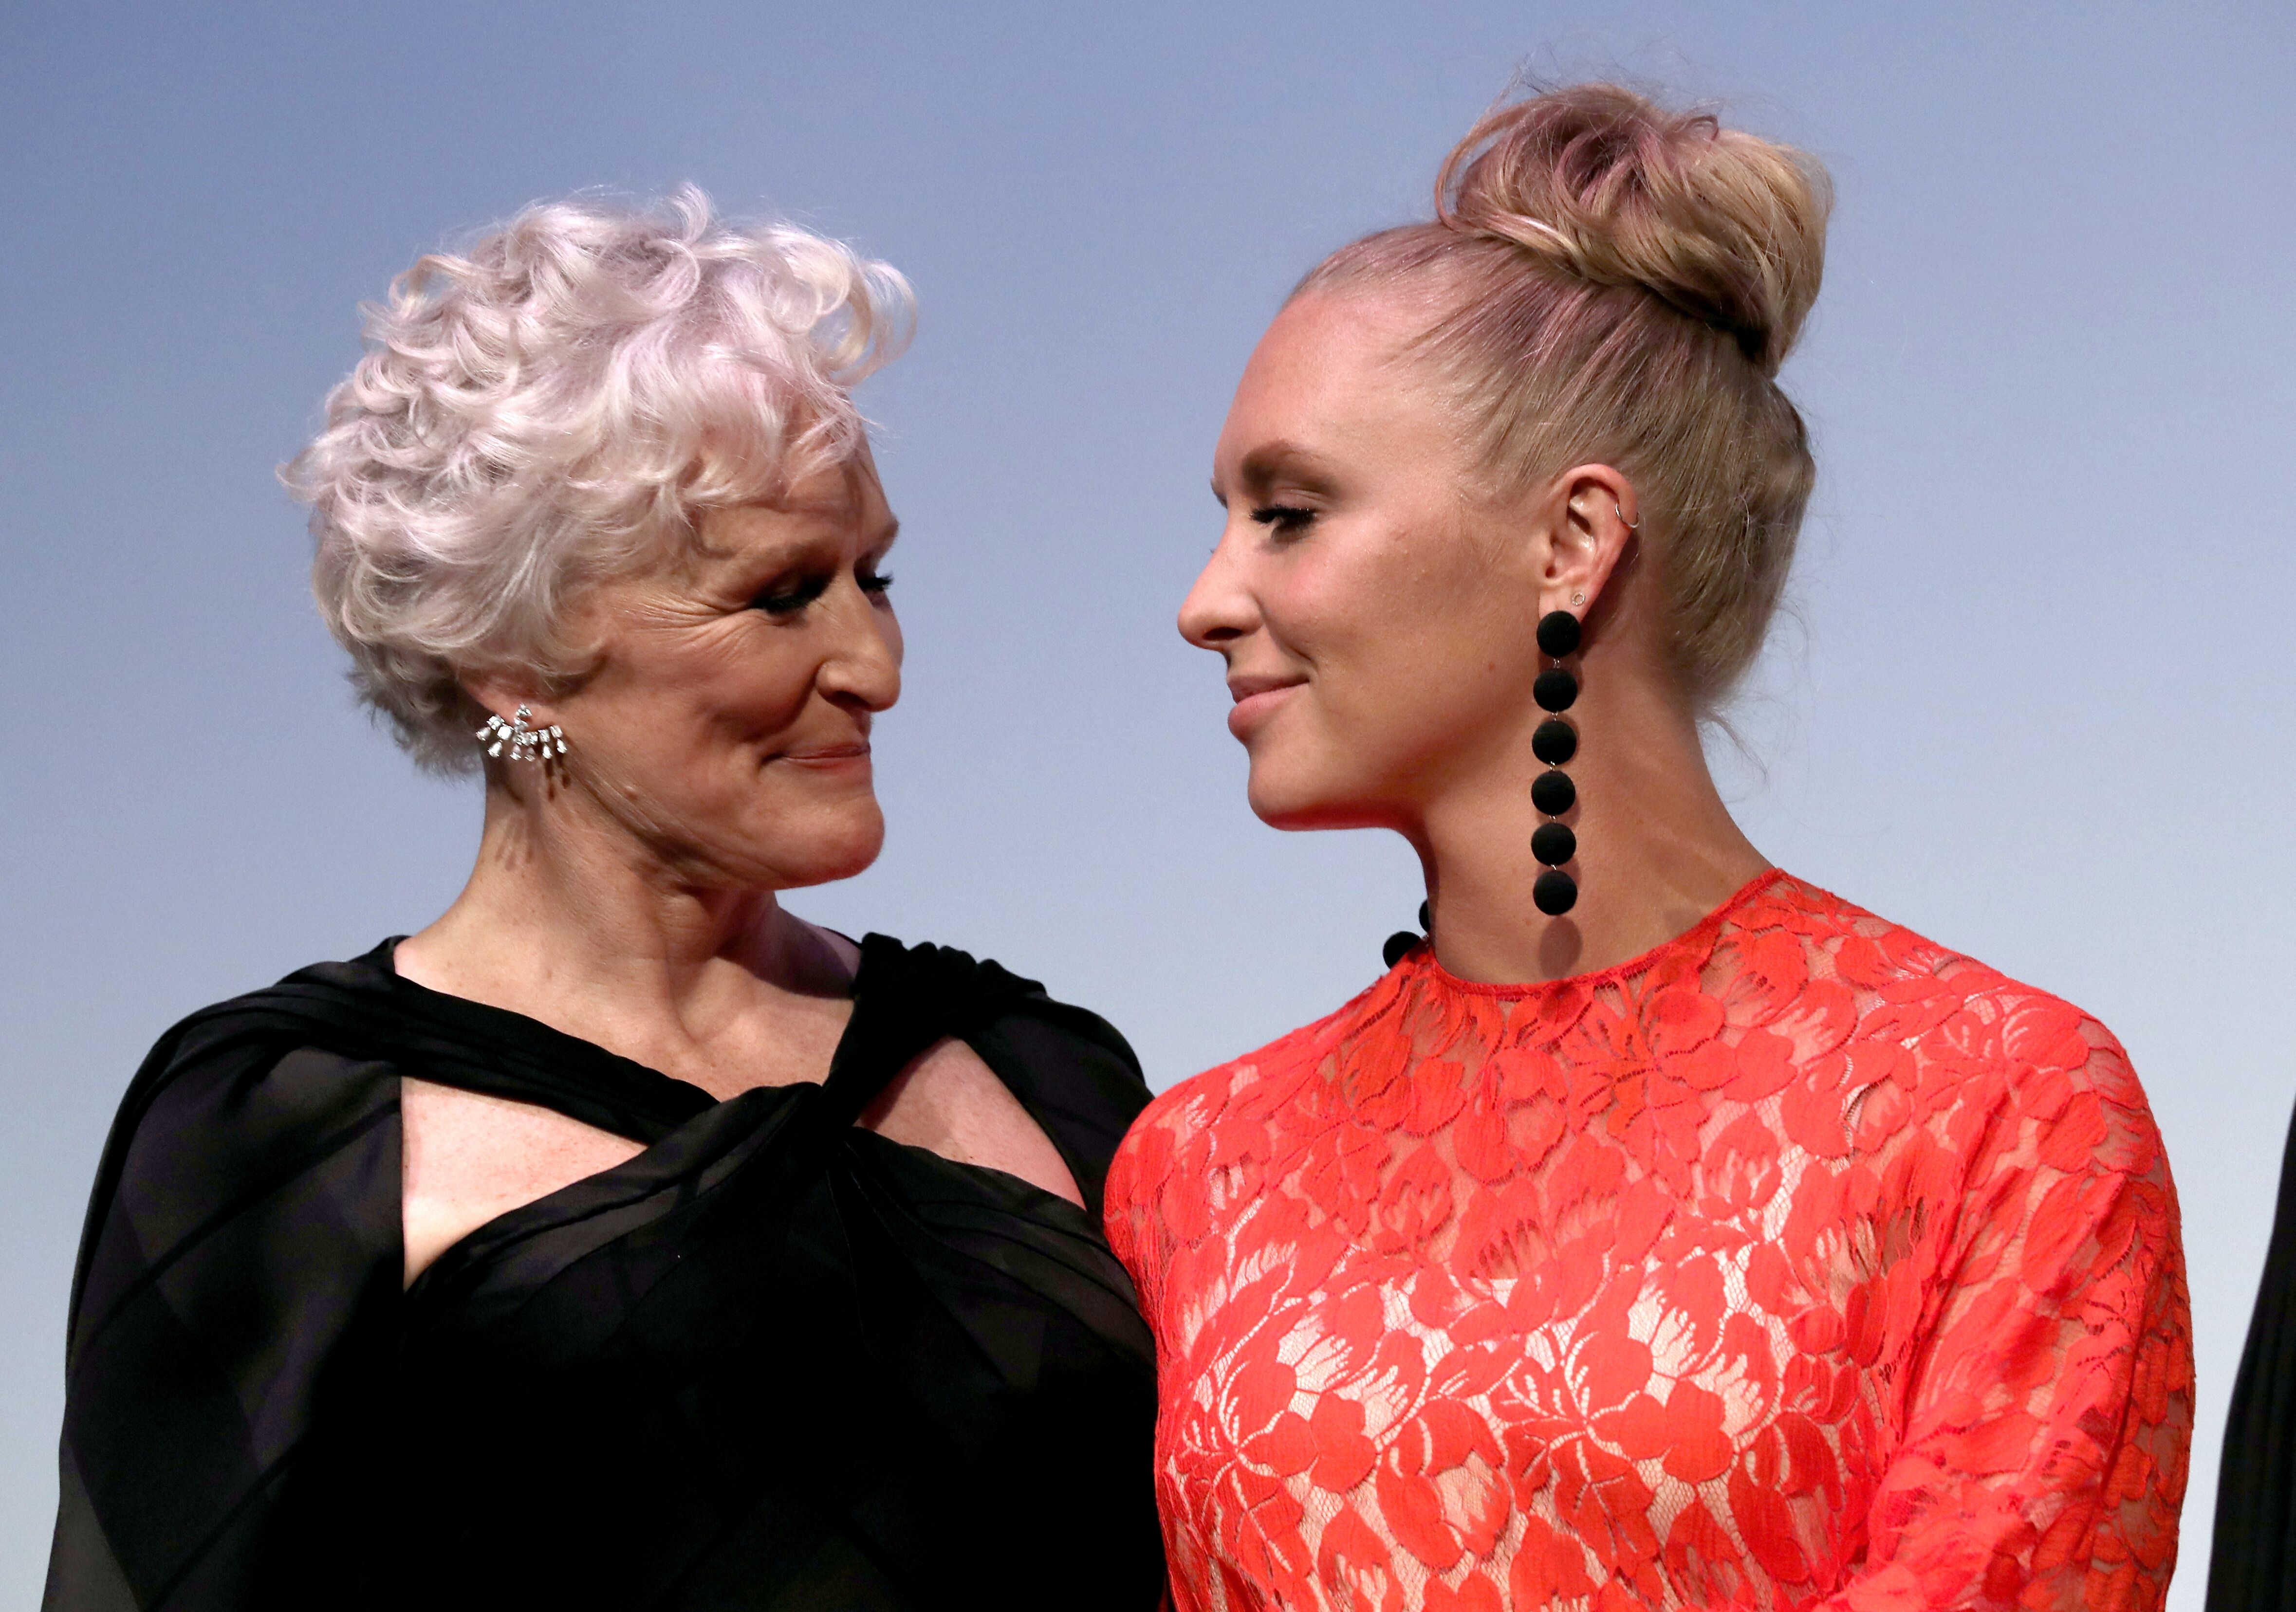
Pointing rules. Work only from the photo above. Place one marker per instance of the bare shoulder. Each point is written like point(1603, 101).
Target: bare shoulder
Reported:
point(949, 1102)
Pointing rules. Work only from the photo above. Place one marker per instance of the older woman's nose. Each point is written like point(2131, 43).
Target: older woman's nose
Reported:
point(866, 665)
point(1219, 609)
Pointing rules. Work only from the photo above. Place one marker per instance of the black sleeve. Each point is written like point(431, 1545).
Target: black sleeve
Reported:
point(232, 1333)
point(2252, 1567)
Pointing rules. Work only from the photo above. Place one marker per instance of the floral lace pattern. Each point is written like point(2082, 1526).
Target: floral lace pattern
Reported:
point(1798, 1263)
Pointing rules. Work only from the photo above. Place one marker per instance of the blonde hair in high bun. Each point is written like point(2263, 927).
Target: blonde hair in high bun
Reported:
point(1621, 283)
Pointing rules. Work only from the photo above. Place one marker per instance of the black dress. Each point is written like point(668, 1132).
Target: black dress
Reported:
point(773, 1361)
point(2252, 1558)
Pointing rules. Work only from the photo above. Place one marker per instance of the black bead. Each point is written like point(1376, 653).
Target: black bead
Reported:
point(1553, 793)
point(1556, 893)
point(1554, 844)
point(1558, 633)
point(1400, 944)
point(1555, 741)
point(1554, 688)
point(1426, 918)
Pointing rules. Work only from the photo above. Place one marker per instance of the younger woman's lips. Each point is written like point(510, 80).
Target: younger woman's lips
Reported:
point(1248, 714)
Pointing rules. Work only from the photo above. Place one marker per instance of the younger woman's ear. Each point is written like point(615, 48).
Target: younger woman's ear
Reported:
point(1595, 521)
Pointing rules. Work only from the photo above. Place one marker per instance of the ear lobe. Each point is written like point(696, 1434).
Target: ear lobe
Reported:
point(502, 697)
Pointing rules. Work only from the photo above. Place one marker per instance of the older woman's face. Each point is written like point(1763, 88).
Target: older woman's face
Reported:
point(727, 727)
point(1375, 619)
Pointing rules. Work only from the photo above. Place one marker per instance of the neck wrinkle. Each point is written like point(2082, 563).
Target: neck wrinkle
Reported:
point(563, 907)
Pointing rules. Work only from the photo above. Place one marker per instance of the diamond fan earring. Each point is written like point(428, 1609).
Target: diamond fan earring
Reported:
point(526, 744)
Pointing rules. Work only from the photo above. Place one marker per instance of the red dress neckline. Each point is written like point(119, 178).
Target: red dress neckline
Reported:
point(1700, 933)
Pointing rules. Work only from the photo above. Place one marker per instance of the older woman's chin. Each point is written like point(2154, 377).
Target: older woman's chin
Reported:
point(793, 856)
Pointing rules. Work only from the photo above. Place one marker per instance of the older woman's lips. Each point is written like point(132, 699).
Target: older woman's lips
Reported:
point(829, 758)
point(1256, 700)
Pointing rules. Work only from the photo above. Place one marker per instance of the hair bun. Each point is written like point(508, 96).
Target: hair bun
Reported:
point(1595, 179)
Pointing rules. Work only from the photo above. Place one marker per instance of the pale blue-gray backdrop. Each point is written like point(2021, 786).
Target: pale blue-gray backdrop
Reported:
point(2035, 703)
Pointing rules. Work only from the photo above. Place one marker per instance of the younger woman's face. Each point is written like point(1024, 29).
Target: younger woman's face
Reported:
point(1375, 613)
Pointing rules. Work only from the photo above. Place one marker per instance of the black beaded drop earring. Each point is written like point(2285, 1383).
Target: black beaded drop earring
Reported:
point(1403, 940)
point(1555, 741)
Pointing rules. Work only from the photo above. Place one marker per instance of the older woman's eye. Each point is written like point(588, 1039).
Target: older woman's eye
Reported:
point(1284, 519)
point(874, 581)
point(789, 600)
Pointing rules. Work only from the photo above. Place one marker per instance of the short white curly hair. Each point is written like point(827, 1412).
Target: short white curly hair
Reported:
point(554, 406)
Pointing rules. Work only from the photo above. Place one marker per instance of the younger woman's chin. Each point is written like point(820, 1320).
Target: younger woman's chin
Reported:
point(1299, 810)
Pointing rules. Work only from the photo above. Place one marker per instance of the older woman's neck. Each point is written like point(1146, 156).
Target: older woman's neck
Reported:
point(561, 906)
point(1658, 849)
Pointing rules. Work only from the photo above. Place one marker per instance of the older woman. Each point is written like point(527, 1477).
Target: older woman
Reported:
point(618, 1240)
point(1663, 1232)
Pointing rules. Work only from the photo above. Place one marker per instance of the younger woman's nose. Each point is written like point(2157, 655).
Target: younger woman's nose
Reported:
point(1219, 609)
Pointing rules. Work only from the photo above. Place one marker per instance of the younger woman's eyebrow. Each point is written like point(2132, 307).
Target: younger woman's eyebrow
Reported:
point(1276, 460)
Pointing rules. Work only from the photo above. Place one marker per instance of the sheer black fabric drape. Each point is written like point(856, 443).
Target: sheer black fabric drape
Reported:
point(774, 1361)
point(2253, 1560)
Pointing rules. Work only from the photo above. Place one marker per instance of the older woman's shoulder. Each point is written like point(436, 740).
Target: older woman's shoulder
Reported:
point(239, 1103)
point(249, 1070)
point(241, 1247)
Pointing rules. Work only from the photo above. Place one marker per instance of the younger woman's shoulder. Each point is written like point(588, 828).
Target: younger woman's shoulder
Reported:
point(1959, 1024)
point(1906, 983)
point(1253, 1083)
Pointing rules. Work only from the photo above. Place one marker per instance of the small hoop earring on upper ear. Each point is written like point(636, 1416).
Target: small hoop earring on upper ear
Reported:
point(1632, 525)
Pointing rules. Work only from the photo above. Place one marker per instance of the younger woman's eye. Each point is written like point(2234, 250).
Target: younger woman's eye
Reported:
point(874, 581)
point(1284, 519)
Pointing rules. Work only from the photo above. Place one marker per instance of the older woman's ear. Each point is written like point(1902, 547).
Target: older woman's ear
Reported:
point(503, 697)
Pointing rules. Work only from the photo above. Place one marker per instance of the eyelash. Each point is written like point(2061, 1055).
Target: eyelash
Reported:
point(871, 582)
point(1284, 519)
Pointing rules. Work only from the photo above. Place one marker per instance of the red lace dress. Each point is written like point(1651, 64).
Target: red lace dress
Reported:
point(1799, 1263)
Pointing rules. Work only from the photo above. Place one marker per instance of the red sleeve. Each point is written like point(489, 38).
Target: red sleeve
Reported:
point(2048, 1416)
point(1128, 1213)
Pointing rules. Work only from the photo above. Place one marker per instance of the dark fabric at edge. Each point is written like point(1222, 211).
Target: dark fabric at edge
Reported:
point(2253, 1557)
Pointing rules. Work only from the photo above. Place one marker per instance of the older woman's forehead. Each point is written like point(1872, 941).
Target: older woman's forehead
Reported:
point(838, 502)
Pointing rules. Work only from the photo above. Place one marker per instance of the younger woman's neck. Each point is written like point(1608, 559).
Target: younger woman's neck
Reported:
point(1658, 849)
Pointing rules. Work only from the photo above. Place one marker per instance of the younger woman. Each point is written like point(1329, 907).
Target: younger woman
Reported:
point(1663, 1231)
